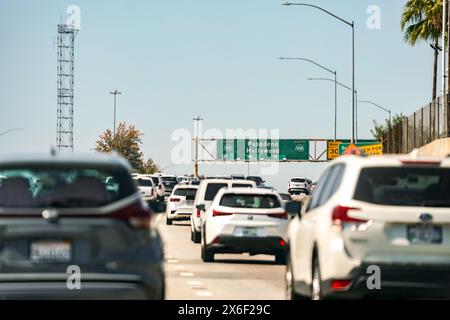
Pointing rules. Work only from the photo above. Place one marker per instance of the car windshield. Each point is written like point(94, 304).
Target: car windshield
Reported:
point(286, 197)
point(404, 186)
point(144, 182)
point(298, 180)
point(250, 201)
point(188, 193)
point(212, 189)
point(63, 187)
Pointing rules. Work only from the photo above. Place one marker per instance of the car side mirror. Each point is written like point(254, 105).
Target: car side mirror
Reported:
point(294, 207)
point(201, 207)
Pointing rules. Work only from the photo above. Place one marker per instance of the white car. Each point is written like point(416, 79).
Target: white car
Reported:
point(146, 188)
point(205, 195)
point(376, 226)
point(245, 220)
point(299, 185)
point(159, 185)
point(180, 203)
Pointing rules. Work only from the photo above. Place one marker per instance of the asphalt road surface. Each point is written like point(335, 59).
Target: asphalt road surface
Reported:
point(230, 277)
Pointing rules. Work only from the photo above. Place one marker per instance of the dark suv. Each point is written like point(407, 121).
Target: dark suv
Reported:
point(65, 219)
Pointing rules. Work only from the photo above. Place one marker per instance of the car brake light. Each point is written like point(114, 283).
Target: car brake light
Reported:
point(421, 162)
point(219, 213)
point(175, 200)
point(136, 216)
point(340, 284)
point(340, 215)
point(198, 213)
point(281, 215)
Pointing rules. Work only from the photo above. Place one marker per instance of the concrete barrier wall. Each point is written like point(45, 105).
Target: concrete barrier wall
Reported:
point(437, 148)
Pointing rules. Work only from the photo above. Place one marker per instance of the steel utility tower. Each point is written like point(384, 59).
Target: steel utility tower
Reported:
point(65, 73)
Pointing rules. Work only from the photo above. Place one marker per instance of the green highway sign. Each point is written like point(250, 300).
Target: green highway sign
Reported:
point(262, 149)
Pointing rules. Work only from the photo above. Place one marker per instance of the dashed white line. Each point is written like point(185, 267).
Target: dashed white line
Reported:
point(186, 274)
point(194, 283)
point(203, 293)
point(172, 260)
point(179, 267)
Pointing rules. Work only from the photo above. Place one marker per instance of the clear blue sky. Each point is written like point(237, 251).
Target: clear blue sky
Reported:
point(175, 59)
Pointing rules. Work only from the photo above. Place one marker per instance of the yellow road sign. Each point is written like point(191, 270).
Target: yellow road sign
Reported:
point(333, 149)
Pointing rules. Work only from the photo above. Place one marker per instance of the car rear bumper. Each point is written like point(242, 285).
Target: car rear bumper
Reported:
point(300, 190)
point(180, 214)
point(252, 245)
point(38, 286)
point(405, 281)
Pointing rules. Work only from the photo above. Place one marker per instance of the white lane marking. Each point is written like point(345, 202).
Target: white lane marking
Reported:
point(172, 261)
point(158, 218)
point(179, 267)
point(186, 274)
point(194, 283)
point(169, 257)
point(203, 293)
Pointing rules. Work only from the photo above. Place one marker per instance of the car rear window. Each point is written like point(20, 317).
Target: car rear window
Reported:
point(212, 189)
point(169, 179)
point(404, 186)
point(155, 180)
point(144, 182)
point(188, 193)
point(63, 187)
point(250, 201)
point(298, 180)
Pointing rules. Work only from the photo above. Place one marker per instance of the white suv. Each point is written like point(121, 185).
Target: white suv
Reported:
point(299, 185)
point(245, 220)
point(207, 190)
point(146, 188)
point(180, 203)
point(377, 226)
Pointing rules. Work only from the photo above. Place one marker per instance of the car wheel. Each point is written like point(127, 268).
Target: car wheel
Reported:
point(197, 237)
point(207, 254)
point(289, 283)
point(169, 222)
point(316, 284)
point(280, 258)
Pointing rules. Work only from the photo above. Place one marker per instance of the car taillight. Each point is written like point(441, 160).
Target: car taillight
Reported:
point(198, 213)
point(281, 215)
point(340, 216)
point(340, 284)
point(174, 200)
point(220, 213)
point(135, 215)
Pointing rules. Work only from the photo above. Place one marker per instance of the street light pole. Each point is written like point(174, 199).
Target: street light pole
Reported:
point(115, 92)
point(335, 87)
point(352, 25)
point(196, 139)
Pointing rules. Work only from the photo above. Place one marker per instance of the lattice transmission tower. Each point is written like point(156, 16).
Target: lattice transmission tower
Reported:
point(65, 86)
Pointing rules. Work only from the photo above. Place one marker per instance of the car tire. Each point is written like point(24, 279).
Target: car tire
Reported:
point(280, 258)
point(316, 281)
point(169, 222)
point(197, 237)
point(207, 254)
point(289, 283)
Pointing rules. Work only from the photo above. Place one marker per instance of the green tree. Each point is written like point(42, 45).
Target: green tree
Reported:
point(126, 142)
point(422, 21)
point(151, 167)
point(387, 132)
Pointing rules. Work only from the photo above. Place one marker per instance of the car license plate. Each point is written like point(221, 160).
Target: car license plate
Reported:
point(424, 234)
point(246, 232)
point(51, 251)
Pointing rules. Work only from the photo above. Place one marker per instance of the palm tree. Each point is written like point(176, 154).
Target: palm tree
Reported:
point(422, 20)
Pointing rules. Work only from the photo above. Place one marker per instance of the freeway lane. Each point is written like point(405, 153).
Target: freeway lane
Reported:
point(230, 277)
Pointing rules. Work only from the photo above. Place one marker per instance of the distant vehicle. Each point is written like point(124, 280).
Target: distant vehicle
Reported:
point(188, 180)
point(313, 186)
point(169, 182)
point(258, 180)
point(245, 220)
point(237, 177)
point(205, 195)
point(149, 191)
point(158, 183)
point(83, 211)
point(181, 203)
point(392, 212)
point(223, 177)
point(298, 185)
point(286, 197)
point(266, 187)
